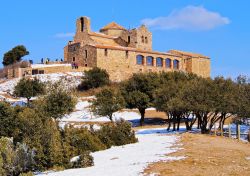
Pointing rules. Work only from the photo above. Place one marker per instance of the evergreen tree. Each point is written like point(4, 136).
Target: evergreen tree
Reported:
point(29, 88)
point(14, 55)
point(58, 101)
point(94, 78)
point(138, 92)
point(107, 102)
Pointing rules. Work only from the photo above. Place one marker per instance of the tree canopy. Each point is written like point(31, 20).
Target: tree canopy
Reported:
point(14, 55)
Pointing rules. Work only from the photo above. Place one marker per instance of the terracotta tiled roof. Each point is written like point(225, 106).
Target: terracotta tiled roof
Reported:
point(178, 52)
point(101, 35)
point(132, 49)
point(112, 25)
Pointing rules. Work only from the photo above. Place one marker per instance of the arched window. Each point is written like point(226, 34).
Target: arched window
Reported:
point(139, 59)
point(159, 62)
point(176, 64)
point(146, 39)
point(168, 63)
point(150, 60)
point(142, 39)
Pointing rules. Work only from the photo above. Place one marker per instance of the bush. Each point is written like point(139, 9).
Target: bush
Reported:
point(27, 174)
point(94, 78)
point(81, 140)
point(84, 160)
point(14, 161)
point(119, 133)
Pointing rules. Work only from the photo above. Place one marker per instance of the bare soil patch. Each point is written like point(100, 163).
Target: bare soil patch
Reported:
point(207, 156)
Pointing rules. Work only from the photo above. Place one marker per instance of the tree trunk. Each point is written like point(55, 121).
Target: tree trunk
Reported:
point(142, 112)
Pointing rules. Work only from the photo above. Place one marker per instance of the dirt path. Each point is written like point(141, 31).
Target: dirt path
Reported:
point(207, 156)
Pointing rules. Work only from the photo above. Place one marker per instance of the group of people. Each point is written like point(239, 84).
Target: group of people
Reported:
point(74, 65)
point(47, 60)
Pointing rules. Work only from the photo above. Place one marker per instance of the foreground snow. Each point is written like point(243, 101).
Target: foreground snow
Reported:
point(128, 160)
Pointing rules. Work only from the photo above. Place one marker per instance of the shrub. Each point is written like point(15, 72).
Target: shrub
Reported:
point(94, 78)
point(14, 161)
point(119, 133)
point(27, 174)
point(81, 140)
point(84, 160)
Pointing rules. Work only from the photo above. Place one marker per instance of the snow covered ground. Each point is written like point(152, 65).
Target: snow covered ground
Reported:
point(82, 113)
point(71, 79)
point(128, 160)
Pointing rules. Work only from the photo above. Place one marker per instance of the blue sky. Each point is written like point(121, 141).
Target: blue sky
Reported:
point(216, 28)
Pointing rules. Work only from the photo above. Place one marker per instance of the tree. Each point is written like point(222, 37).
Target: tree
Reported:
point(58, 101)
point(107, 102)
point(138, 92)
point(29, 88)
point(14, 55)
point(94, 78)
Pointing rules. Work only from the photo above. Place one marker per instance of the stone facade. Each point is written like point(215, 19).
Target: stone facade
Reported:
point(123, 52)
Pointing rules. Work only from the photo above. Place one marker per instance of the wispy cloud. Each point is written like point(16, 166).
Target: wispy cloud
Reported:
point(64, 35)
point(188, 18)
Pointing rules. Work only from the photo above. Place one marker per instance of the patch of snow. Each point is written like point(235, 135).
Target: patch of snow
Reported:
point(83, 113)
point(48, 65)
point(70, 79)
point(128, 160)
point(74, 159)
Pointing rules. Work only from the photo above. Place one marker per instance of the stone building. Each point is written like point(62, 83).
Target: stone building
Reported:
point(123, 52)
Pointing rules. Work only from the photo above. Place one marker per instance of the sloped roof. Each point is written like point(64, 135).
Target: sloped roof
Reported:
point(187, 53)
point(112, 25)
point(131, 49)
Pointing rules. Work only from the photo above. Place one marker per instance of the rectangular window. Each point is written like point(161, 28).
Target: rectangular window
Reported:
point(86, 54)
point(128, 39)
point(126, 54)
point(106, 52)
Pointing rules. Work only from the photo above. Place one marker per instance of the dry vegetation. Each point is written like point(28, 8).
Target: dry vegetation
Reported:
point(207, 156)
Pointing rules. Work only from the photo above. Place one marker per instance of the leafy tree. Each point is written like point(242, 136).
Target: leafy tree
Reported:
point(29, 88)
point(58, 101)
point(6, 120)
point(138, 92)
point(107, 102)
point(14, 55)
point(94, 78)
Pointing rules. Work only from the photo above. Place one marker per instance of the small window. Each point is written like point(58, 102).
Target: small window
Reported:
point(126, 54)
point(86, 65)
point(41, 71)
point(142, 39)
point(128, 39)
point(140, 70)
point(86, 54)
point(74, 59)
point(74, 48)
point(146, 39)
point(34, 72)
point(106, 52)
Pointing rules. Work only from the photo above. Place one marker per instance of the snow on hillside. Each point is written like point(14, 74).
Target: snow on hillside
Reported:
point(127, 160)
point(71, 79)
point(82, 113)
